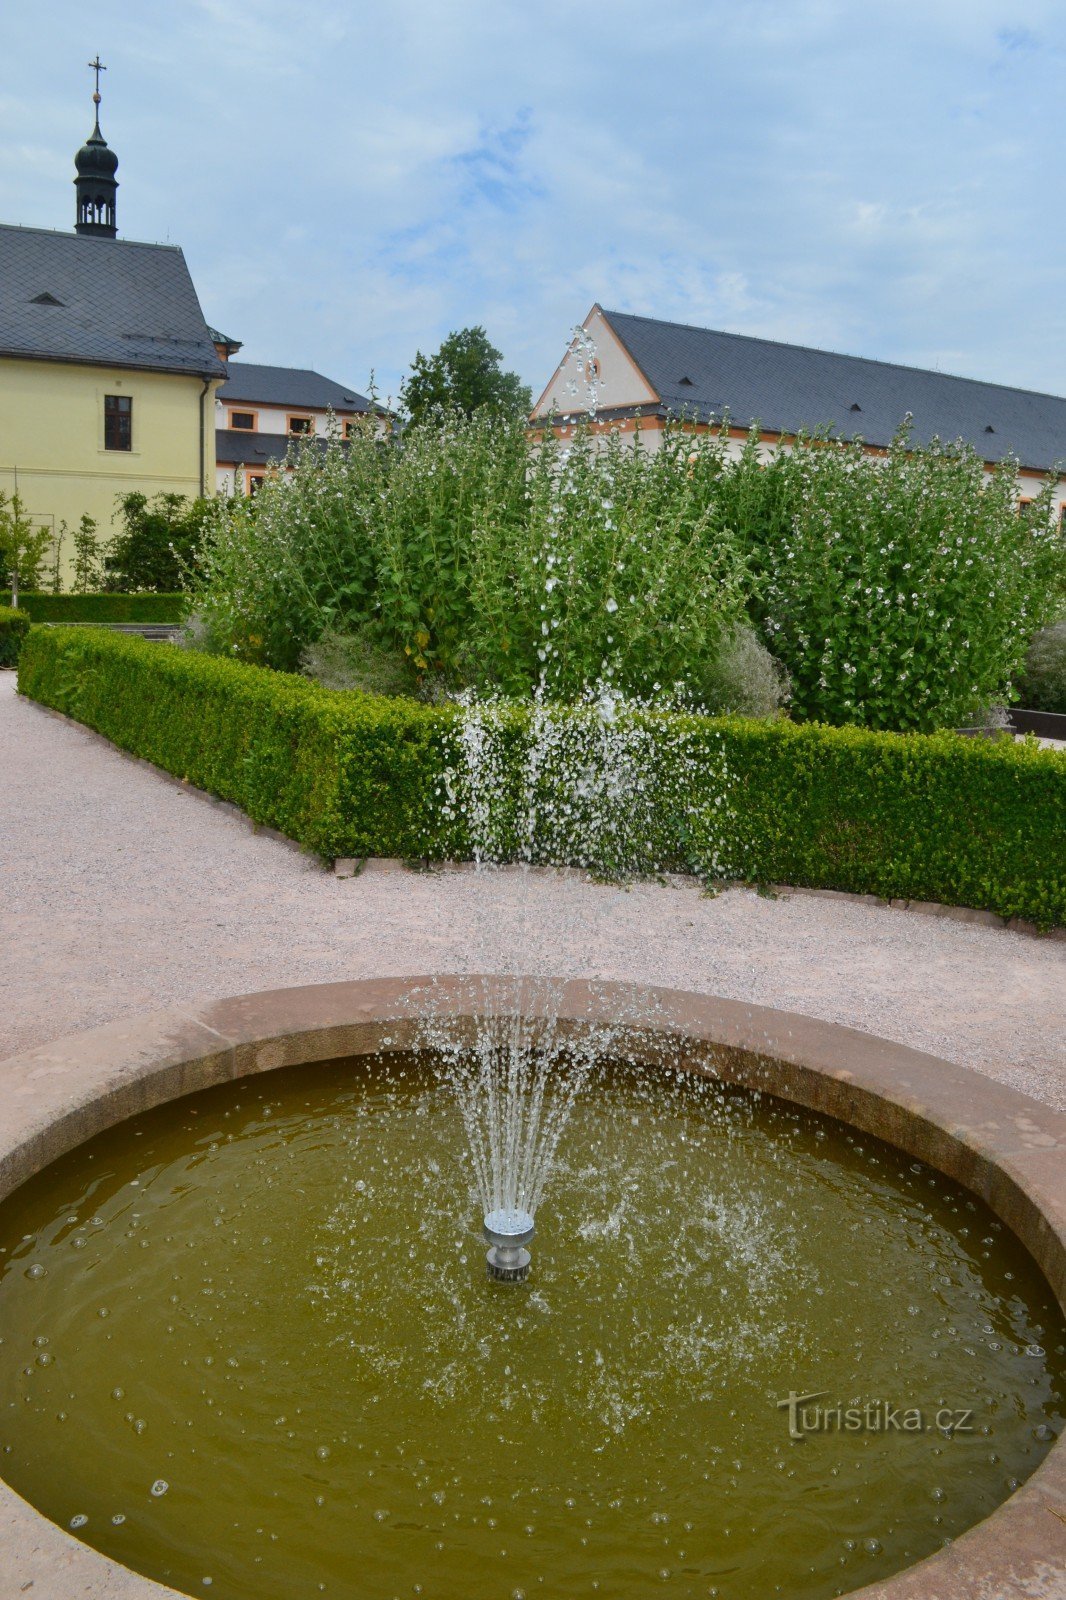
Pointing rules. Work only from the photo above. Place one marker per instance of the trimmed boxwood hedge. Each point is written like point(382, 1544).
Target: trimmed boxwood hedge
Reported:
point(14, 626)
point(160, 608)
point(970, 822)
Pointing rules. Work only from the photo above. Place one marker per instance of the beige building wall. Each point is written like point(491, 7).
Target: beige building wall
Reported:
point(52, 439)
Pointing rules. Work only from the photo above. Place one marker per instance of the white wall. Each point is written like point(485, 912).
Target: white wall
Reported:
point(651, 436)
point(577, 386)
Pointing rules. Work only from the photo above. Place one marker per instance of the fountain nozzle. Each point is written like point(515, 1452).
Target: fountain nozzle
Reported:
point(507, 1232)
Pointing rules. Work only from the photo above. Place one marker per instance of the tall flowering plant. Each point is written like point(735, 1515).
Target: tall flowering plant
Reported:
point(900, 590)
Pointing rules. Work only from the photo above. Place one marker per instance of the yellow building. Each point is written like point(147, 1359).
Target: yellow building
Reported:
point(108, 370)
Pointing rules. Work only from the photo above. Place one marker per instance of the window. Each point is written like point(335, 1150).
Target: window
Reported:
point(242, 419)
point(118, 422)
point(348, 427)
point(255, 482)
point(301, 425)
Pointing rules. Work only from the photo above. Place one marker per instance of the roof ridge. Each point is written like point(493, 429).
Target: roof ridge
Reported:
point(276, 366)
point(65, 233)
point(839, 355)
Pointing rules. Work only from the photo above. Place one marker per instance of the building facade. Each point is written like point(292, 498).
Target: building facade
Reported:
point(108, 371)
point(635, 373)
point(260, 411)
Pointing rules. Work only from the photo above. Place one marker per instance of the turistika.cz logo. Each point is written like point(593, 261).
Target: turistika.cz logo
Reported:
point(806, 1415)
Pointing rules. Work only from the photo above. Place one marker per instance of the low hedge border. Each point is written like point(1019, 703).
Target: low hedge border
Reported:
point(971, 822)
point(160, 608)
point(14, 626)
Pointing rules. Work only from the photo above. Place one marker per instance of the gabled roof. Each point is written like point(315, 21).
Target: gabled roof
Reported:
point(105, 302)
point(788, 387)
point(297, 387)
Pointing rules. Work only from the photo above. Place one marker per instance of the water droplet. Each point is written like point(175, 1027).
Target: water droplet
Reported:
point(160, 1487)
point(79, 1520)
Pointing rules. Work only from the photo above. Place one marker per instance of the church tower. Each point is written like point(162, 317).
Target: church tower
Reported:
point(95, 184)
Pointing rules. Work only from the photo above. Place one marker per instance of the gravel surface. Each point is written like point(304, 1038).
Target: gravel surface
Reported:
point(124, 892)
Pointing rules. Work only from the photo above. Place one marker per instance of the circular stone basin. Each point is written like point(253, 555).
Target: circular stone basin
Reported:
point(999, 1150)
point(250, 1347)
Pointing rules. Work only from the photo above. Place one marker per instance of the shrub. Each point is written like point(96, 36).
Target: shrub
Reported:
point(275, 570)
point(356, 661)
point(933, 817)
point(14, 626)
point(744, 678)
point(1043, 684)
point(162, 608)
point(900, 591)
point(156, 546)
point(613, 568)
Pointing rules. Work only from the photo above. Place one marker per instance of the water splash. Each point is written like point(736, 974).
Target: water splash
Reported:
point(516, 1085)
point(608, 784)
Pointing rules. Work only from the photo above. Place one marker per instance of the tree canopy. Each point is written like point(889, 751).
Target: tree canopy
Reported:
point(464, 375)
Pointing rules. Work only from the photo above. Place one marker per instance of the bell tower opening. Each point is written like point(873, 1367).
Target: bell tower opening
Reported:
point(95, 184)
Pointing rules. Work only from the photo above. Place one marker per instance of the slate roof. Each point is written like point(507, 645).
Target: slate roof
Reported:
point(241, 447)
point(295, 387)
point(120, 304)
point(787, 387)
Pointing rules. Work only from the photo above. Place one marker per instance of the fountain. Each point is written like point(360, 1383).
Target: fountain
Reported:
point(664, 1400)
point(506, 1233)
point(395, 1419)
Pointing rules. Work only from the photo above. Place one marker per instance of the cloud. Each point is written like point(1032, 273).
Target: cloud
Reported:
point(1017, 40)
point(349, 187)
point(493, 169)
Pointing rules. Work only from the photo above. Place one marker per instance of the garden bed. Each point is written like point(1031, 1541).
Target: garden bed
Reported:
point(922, 817)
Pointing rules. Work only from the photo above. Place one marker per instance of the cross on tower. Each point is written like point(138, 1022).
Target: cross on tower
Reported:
point(97, 66)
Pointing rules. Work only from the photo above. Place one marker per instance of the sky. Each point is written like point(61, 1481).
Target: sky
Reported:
point(351, 182)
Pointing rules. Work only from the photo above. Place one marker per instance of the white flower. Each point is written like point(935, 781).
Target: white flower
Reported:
point(612, 604)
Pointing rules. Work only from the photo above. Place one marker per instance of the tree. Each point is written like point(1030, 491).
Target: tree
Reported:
point(22, 546)
point(158, 542)
point(55, 568)
point(88, 566)
point(464, 375)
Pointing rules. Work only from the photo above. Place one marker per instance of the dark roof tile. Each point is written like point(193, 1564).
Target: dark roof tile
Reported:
point(241, 448)
point(297, 387)
point(120, 303)
point(787, 387)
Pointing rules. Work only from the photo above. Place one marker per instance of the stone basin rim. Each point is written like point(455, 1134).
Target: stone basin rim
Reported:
point(1008, 1148)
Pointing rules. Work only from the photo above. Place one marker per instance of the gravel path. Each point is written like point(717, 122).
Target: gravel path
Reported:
point(124, 893)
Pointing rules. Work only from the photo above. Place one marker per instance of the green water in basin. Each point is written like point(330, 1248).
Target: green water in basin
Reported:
point(250, 1349)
